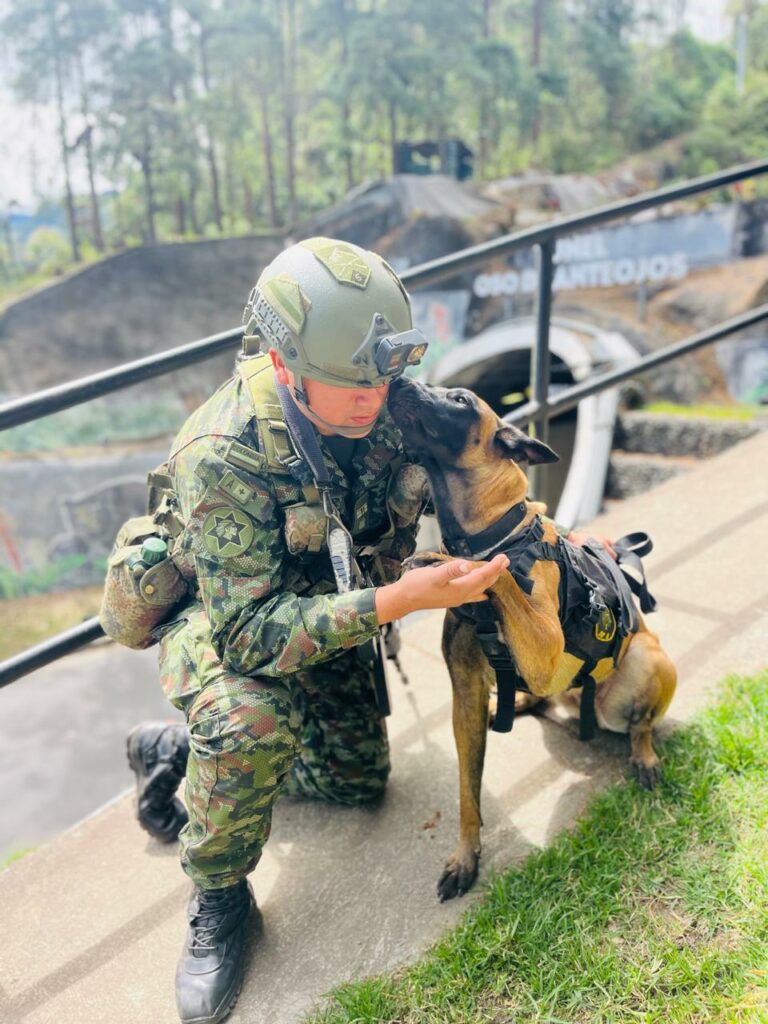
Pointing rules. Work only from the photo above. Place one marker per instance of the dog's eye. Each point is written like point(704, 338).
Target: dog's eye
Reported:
point(461, 399)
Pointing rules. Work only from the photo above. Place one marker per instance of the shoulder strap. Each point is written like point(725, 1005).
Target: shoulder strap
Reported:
point(274, 435)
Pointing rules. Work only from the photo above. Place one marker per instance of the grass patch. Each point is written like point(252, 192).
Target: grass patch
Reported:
point(654, 908)
point(737, 411)
point(14, 856)
point(30, 620)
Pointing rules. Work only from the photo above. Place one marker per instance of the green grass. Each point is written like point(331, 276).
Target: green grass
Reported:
point(653, 909)
point(14, 856)
point(737, 411)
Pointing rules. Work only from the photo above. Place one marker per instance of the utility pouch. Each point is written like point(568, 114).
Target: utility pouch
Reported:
point(305, 528)
point(139, 594)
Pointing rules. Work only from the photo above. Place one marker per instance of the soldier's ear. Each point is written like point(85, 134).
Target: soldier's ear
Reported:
point(514, 444)
point(281, 370)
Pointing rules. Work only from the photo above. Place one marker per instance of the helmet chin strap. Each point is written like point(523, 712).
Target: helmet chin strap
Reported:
point(343, 431)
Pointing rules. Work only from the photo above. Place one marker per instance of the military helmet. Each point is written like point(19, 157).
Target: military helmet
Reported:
point(336, 313)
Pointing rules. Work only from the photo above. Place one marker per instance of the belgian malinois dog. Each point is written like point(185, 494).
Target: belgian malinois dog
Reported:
point(476, 464)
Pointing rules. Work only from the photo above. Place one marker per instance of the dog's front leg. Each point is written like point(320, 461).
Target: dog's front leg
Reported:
point(466, 665)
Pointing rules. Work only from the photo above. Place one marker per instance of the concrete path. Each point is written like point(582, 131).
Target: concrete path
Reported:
point(94, 920)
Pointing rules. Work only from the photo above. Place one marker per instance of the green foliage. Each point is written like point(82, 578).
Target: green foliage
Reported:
point(716, 412)
point(39, 580)
point(213, 117)
point(653, 908)
point(47, 252)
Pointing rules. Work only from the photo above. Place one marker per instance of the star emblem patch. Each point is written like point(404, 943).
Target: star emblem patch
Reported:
point(227, 532)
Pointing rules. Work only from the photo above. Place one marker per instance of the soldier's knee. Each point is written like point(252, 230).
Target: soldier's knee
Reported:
point(340, 784)
point(250, 722)
point(364, 791)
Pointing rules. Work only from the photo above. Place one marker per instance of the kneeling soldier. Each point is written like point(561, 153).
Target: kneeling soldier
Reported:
point(295, 508)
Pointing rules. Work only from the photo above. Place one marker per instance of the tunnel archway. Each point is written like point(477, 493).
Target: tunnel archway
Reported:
point(496, 365)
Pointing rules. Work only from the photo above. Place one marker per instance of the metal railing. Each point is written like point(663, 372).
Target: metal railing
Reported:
point(537, 412)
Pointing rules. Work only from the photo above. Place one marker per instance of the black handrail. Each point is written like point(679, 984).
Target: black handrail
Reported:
point(539, 410)
point(455, 263)
point(64, 396)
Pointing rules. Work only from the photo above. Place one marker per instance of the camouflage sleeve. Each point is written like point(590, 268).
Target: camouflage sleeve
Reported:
point(234, 535)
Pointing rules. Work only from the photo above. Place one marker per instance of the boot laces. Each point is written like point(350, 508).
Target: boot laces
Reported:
point(215, 906)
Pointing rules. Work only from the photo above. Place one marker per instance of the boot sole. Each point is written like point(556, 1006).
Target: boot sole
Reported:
point(137, 766)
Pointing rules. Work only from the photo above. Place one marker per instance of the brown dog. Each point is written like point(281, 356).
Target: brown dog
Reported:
point(476, 465)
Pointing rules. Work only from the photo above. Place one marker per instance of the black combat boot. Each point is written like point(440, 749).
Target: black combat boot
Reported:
point(210, 972)
point(157, 753)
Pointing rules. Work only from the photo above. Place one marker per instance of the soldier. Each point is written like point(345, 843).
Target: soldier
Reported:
point(271, 661)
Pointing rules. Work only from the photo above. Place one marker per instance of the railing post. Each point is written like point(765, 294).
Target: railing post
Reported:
point(540, 363)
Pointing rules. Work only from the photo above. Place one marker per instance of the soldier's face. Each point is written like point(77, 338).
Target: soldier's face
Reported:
point(355, 409)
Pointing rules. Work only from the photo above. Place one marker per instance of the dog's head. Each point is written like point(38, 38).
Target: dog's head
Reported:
point(456, 432)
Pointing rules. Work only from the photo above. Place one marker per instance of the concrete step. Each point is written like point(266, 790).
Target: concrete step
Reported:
point(94, 919)
point(696, 436)
point(631, 473)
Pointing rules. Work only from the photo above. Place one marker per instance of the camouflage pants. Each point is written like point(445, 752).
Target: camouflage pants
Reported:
point(315, 733)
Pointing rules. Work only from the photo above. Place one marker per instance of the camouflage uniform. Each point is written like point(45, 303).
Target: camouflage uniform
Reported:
point(266, 663)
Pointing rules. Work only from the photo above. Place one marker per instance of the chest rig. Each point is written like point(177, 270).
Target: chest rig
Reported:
point(596, 609)
point(312, 522)
point(304, 506)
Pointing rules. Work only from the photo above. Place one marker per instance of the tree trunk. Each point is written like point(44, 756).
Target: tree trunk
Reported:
point(538, 25)
point(210, 147)
point(393, 135)
point(484, 111)
point(59, 76)
point(290, 106)
point(145, 160)
point(266, 137)
point(85, 107)
point(249, 203)
point(346, 130)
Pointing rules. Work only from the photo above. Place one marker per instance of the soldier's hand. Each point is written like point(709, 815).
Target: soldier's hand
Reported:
point(446, 585)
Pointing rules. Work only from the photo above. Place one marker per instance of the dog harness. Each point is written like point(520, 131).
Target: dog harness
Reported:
point(595, 597)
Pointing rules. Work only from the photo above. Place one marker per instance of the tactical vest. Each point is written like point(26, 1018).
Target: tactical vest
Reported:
point(304, 519)
point(137, 598)
point(596, 609)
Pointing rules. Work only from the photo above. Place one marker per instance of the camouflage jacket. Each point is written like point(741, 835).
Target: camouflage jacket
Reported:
point(272, 611)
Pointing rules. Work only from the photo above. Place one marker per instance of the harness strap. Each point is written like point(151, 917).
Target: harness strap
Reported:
point(508, 679)
point(478, 545)
point(630, 549)
point(587, 716)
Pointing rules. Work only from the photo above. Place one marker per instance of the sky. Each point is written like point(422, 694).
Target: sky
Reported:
point(28, 134)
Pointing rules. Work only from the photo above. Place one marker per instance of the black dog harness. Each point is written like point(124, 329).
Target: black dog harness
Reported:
point(595, 596)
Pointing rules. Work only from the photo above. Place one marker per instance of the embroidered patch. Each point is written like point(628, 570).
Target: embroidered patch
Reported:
point(287, 300)
point(605, 627)
point(346, 265)
point(227, 532)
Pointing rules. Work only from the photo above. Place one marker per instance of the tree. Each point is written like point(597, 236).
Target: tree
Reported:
point(42, 71)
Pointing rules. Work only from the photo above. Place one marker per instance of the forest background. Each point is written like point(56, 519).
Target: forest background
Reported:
point(200, 118)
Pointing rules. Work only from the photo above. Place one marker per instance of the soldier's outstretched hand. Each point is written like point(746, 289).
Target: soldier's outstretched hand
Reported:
point(447, 584)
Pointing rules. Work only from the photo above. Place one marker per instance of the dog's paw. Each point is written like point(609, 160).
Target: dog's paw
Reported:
point(648, 774)
point(458, 877)
point(423, 558)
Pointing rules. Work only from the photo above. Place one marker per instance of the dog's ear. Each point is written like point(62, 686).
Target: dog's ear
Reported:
point(514, 444)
